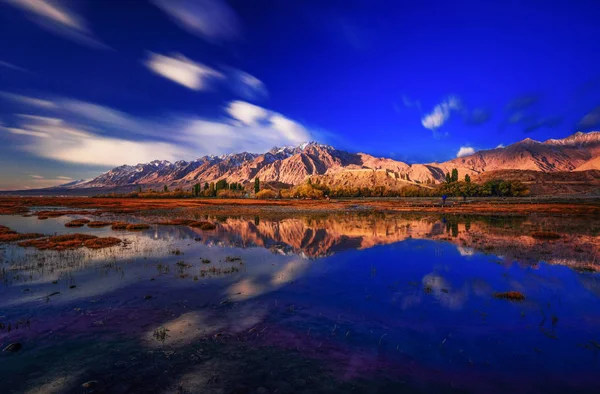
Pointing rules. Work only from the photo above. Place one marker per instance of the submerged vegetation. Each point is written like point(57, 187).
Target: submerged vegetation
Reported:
point(8, 235)
point(71, 241)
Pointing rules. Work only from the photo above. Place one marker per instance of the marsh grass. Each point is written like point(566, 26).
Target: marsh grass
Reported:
point(137, 227)
point(548, 235)
point(99, 224)
point(70, 241)
point(77, 223)
point(203, 225)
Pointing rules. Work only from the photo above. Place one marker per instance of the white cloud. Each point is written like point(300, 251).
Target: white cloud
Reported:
point(64, 178)
point(289, 129)
point(18, 131)
point(30, 101)
point(42, 119)
point(248, 114)
point(500, 146)
point(441, 113)
point(247, 86)
point(181, 70)
point(465, 151)
point(252, 115)
point(37, 176)
point(87, 148)
point(213, 20)
point(103, 136)
point(58, 20)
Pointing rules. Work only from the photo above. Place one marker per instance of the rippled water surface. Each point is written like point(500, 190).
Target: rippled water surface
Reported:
point(330, 304)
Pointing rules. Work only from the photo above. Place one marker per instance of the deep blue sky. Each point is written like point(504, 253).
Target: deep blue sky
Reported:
point(414, 80)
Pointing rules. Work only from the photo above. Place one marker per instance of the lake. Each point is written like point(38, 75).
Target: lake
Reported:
point(344, 303)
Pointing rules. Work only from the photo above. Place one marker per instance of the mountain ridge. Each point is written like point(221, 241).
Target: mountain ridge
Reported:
point(294, 165)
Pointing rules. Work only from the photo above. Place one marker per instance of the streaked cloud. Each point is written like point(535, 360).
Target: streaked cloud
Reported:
point(20, 131)
point(590, 120)
point(477, 117)
point(37, 176)
point(441, 113)
point(64, 178)
point(80, 132)
point(465, 151)
point(13, 67)
point(181, 70)
point(30, 101)
point(212, 20)
point(247, 86)
point(500, 146)
point(59, 20)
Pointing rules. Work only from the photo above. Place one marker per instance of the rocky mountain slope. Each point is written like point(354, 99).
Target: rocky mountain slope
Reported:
point(293, 165)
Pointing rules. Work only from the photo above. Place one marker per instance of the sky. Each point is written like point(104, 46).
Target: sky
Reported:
point(89, 85)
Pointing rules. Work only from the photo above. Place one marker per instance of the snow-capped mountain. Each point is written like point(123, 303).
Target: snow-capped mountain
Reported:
point(293, 164)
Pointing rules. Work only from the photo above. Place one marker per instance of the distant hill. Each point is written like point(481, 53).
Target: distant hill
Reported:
point(575, 155)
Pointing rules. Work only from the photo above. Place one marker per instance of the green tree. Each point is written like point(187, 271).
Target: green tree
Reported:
point(448, 178)
point(205, 185)
point(454, 175)
point(165, 189)
point(197, 189)
point(467, 178)
point(222, 184)
point(139, 189)
point(256, 185)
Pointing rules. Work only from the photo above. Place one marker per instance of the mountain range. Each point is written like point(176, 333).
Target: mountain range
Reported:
point(577, 153)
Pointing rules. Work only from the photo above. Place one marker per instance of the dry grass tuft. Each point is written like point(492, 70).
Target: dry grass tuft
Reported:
point(77, 223)
point(71, 241)
point(59, 242)
point(203, 225)
point(176, 222)
point(137, 227)
point(8, 235)
point(99, 243)
point(99, 224)
point(545, 235)
point(120, 226)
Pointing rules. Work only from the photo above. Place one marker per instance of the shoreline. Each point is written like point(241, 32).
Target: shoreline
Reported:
point(283, 207)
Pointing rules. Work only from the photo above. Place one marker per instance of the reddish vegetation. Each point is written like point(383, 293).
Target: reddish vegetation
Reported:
point(545, 235)
point(203, 225)
point(77, 223)
point(176, 222)
point(8, 235)
point(120, 226)
point(137, 227)
point(42, 215)
point(510, 295)
point(98, 224)
point(99, 243)
point(271, 207)
point(70, 241)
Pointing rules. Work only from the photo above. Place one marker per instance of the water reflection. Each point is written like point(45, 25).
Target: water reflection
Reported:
point(341, 303)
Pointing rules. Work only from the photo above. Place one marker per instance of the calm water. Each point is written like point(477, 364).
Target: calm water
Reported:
point(335, 304)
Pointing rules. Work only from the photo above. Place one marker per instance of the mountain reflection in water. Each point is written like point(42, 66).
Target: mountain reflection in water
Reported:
point(335, 303)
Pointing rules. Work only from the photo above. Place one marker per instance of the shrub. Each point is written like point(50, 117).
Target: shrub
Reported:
point(266, 194)
point(226, 193)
